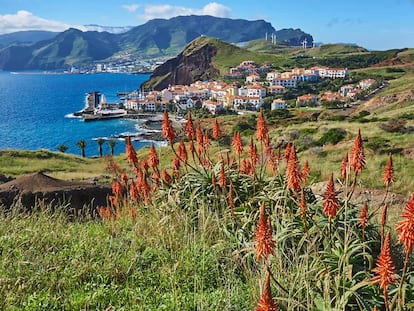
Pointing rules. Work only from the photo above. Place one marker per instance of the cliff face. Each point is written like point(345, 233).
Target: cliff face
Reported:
point(194, 63)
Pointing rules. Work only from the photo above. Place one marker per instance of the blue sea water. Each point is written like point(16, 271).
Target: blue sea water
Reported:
point(36, 108)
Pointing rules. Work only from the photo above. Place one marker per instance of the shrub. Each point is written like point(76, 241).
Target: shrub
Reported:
point(332, 136)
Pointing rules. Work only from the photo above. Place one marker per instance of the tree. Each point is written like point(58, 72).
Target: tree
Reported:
point(111, 144)
point(62, 148)
point(100, 142)
point(82, 145)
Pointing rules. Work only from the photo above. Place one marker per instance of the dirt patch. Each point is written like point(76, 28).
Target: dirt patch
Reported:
point(30, 190)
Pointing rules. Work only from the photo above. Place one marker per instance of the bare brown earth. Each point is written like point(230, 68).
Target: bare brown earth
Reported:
point(30, 190)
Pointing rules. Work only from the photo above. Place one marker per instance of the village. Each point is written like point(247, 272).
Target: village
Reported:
point(249, 87)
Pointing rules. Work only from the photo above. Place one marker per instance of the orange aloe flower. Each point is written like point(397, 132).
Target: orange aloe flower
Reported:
point(357, 159)
point(388, 176)
point(272, 162)
point(206, 140)
point(254, 157)
point(166, 177)
point(124, 179)
point(213, 180)
point(153, 160)
point(246, 167)
point(293, 173)
point(166, 127)
point(133, 192)
point(222, 177)
point(131, 154)
point(287, 151)
point(261, 128)
point(266, 302)
point(199, 135)
point(145, 165)
point(216, 130)
point(344, 166)
point(303, 206)
point(117, 188)
point(305, 171)
point(405, 227)
point(263, 237)
point(191, 148)
point(237, 143)
point(385, 269)
point(330, 202)
point(189, 129)
point(176, 164)
point(182, 151)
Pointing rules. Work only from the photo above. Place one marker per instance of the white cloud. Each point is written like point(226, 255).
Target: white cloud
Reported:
point(130, 7)
point(168, 11)
point(24, 20)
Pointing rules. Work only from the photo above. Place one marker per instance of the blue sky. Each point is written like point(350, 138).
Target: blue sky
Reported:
point(379, 25)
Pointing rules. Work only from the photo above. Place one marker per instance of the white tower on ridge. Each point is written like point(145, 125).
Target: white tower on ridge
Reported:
point(304, 43)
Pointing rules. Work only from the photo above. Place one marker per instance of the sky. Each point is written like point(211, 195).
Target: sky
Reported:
point(373, 24)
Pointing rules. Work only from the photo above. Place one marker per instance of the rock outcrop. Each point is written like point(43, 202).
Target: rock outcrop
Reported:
point(31, 190)
point(193, 64)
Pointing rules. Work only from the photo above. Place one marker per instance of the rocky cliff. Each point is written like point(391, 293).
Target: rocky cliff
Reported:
point(194, 63)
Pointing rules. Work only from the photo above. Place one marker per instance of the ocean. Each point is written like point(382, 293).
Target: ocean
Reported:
point(36, 110)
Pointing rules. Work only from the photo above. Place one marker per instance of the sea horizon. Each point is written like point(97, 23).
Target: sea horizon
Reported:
point(36, 111)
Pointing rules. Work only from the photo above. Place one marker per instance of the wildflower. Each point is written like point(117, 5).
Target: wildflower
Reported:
point(166, 127)
point(263, 237)
point(357, 159)
point(272, 162)
point(363, 218)
point(385, 270)
point(330, 202)
point(293, 173)
point(405, 227)
point(305, 171)
point(237, 143)
point(216, 130)
point(144, 165)
point(166, 177)
point(131, 154)
point(388, 176)
point(254, 157)
point(206, 140)
point(176, 164)
point(153, 160)
point(105, 213)
point(116, 188)
point(113, 167)
point(287, 151)
point(199, 135)
point(344, 167)
point(213, 180)
point(266, 302)
point(133, 192)
point(261, 128)
point(156, 177)
point(124, 179)
point(189, 129)
point(222, 177)
point(246, 166)
point(303, 205)
point(182, 152)
point(191, 148)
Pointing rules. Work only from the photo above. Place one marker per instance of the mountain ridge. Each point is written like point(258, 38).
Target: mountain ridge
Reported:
point(156, 38)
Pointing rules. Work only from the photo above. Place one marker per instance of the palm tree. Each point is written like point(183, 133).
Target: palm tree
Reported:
point(82, 145)
point(62, 148)
point(112, 144)
point(100, 142)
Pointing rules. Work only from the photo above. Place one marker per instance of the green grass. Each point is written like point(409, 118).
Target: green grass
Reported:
point(158, 262)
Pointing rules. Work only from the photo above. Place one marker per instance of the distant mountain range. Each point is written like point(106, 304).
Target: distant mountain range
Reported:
point(158, 37)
